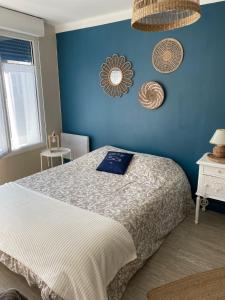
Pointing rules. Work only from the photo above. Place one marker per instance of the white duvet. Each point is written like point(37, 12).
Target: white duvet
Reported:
point(75, 252)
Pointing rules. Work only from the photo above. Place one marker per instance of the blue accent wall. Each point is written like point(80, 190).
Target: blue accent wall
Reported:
point(195, 93)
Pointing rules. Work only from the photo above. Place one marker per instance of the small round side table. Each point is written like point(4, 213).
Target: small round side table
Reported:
point(54, 152)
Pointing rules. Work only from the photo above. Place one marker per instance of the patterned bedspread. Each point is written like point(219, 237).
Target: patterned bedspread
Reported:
point(150, 200)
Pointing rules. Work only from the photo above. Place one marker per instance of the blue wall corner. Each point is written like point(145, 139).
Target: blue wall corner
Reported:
point(195, 93)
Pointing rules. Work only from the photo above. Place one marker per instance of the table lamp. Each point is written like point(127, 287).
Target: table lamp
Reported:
point(53, 139)
point(218, 139)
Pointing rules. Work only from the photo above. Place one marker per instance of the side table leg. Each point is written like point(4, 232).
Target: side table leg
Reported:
point(61, 159)
point(51, 162)
point(204, 203)
point(41, 163)
point(198, 201)
point(48, 160)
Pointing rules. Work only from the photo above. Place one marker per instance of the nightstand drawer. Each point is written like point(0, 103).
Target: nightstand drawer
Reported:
point(214, 187)
point(211, 171)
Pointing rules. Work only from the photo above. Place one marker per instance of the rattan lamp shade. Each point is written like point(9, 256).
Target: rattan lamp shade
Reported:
point(162, 15)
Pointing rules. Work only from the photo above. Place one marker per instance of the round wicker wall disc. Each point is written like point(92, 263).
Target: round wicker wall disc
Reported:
point(151, 95)
point(167, 55)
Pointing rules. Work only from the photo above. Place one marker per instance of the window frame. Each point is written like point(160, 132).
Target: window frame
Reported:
point(39, 92)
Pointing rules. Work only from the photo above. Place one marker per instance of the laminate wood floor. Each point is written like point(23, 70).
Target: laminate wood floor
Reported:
point(187, 250)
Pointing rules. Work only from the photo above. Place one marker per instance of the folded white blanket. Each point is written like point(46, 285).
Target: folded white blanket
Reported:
point(75, 252)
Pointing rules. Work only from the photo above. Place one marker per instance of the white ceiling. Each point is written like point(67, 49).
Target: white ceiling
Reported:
point(73, 14)
point(64, 11)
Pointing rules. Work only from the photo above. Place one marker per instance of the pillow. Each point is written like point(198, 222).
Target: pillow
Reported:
point(115, 162)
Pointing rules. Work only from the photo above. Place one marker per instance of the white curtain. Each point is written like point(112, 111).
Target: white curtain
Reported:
point(21, 101)
point(3, 138)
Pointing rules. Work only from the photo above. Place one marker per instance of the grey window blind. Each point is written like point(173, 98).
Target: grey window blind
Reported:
point(15, 50)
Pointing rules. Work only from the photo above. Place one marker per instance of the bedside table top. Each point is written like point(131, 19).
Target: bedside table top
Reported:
point(55, 152)
point(207, 162)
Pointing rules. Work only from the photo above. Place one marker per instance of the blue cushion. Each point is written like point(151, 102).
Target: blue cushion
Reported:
point(115, 162)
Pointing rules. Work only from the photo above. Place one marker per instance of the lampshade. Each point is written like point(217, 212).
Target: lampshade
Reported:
point(218, 137)
point(162, 15)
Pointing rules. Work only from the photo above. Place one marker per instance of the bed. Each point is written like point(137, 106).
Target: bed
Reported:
point(149, 201)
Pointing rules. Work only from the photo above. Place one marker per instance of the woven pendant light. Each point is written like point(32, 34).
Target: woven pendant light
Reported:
point(162, 15)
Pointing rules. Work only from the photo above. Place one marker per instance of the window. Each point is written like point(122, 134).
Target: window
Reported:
point(21, 122)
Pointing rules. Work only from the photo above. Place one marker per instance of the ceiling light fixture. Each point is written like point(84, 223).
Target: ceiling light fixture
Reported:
point(163, 15)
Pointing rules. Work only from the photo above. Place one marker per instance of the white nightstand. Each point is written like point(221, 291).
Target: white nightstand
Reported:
point(60, 152)
point(211, 183)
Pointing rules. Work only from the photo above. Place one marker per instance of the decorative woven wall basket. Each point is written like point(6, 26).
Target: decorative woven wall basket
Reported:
point(167, 55)
point(151, 95)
